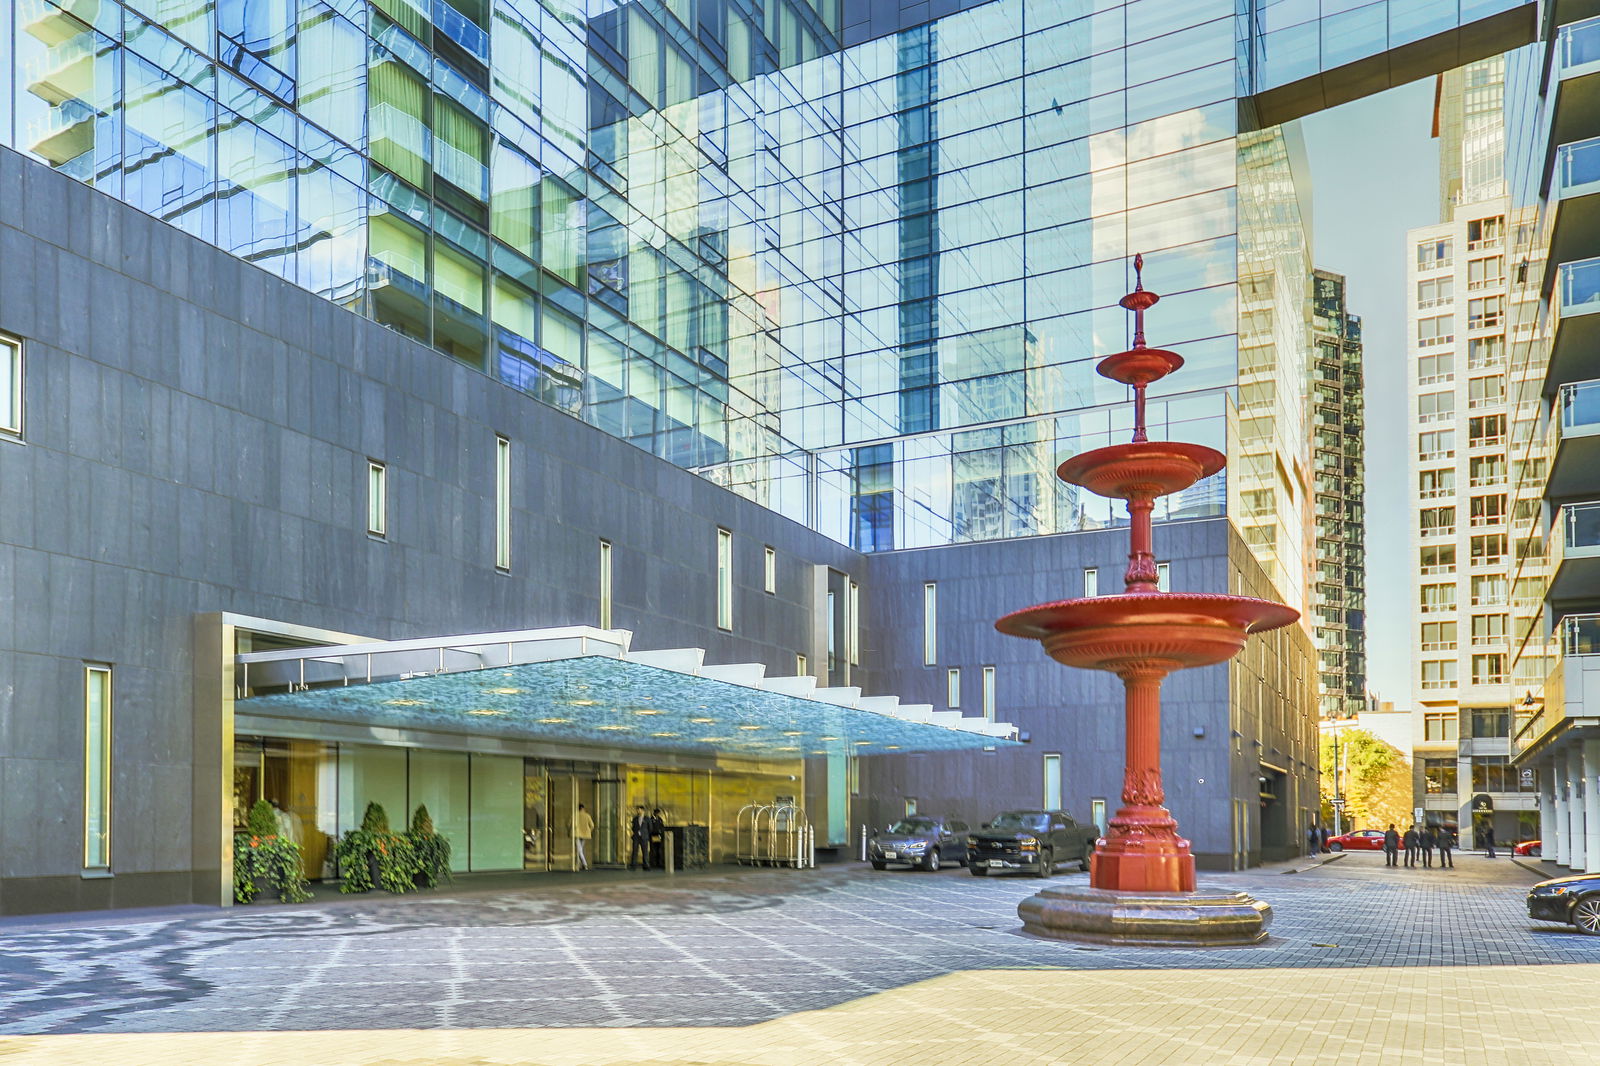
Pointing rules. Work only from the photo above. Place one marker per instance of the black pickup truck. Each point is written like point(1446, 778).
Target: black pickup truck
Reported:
point(1035, 841)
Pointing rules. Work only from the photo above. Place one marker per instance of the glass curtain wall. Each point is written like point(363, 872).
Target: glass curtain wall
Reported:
point(865, 286)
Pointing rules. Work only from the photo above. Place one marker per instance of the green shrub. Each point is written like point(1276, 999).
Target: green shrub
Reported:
point(264, 858)
point(375, 849)
point(429, 849)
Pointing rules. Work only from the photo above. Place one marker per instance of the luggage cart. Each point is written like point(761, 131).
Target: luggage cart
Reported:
point(774, 834)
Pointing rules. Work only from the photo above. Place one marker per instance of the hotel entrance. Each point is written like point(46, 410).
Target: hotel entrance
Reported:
point(551, 796)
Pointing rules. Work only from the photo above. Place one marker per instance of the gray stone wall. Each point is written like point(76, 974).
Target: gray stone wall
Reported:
point(197, 441)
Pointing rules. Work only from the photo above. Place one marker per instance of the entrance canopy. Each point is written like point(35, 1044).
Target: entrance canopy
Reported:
point(583, 685)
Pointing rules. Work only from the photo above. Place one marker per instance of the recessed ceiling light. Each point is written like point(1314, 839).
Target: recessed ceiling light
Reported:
point(403, 703)
point(704, 721)
point(863, 742)
point(827, 738)
point(486, 712)
point(663, 734)
point(793, 733)
point(714, 740)
point(554, 721)
point(617, 728)
point(752, 727)
point(646, 710)
point(581, 703)
point(505, 691)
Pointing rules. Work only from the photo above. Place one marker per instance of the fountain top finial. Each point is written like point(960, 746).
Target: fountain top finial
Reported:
point(1139, 301)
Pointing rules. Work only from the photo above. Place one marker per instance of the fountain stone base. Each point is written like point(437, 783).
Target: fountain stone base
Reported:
point(1206, 917)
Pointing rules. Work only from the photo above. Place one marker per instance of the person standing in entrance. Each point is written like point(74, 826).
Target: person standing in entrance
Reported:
point(582, 830)
point(658, 829)
point(1391, 847)
point(1488, 839)
point(639, 835)
point(1446, 843)
point(1313, 839)
point(1411, 846)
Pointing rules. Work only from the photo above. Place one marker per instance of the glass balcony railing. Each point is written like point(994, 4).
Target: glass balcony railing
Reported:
point(1578, 168)
point(1578, 48)
point(1579, 287)
point(1580, 634)
point(1580, 528)
point(1580, 408)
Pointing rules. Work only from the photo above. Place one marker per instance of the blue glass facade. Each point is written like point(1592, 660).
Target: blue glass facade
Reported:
point(863, 286)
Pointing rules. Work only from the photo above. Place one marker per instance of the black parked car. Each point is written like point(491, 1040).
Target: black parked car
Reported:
point(1574, 900)
point(920, 841)
point(1030, 840)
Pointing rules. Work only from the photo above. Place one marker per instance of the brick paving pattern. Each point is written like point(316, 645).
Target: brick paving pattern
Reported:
point(771, 966)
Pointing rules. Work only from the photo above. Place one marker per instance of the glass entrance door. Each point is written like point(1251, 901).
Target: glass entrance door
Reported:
point(609, 838)
point(563, 796)
point(535, 818)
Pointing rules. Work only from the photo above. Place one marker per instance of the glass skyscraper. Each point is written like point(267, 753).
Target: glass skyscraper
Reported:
point(862, 285)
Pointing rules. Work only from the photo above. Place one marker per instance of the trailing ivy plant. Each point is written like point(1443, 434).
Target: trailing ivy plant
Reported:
point(375, 856)
point(429, 849)
point(263, 858)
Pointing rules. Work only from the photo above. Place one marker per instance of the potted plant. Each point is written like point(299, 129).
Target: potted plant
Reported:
point(374, 855)
point(265, 858)
point(430, 850)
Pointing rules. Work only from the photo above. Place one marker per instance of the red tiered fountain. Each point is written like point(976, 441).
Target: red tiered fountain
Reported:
point(1142, 883)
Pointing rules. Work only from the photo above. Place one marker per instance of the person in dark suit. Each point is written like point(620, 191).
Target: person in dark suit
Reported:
point(1446, 844)
point(1427, 839)
point(658, 829)
point(639, 836)
point(1391, 847)
point(1488, 839)
point(1411, 846)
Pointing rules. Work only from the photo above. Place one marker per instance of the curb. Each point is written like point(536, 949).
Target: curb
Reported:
point(1331, 857)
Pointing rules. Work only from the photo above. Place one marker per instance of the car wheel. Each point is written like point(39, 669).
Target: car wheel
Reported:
point(1586, 915)
point(1537, 851)
point(931, 863)
point(1047, 862)
point(876, 865)
point(979, 871)
point(1088, 853)
point(1336, 846)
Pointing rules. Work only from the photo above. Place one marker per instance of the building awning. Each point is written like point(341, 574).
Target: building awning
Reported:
point(584, 685)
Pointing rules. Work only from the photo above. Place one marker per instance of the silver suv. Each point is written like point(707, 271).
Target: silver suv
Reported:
point(920, 841)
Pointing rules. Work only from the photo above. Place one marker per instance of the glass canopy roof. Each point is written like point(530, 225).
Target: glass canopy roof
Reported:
point(582, 685)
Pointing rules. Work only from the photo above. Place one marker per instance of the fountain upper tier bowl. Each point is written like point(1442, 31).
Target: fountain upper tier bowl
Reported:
point(1174, 630)
point(1145, 468)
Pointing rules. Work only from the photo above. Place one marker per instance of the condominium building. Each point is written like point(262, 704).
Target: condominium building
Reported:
point(1554, 170)
point(502, 406)
point(1339, 596)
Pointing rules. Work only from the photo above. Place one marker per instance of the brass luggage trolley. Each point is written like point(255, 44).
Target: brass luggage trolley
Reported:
point(774, 834)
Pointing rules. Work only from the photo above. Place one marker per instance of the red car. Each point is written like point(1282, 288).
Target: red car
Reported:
point(1360, 840)
point(1527, 847)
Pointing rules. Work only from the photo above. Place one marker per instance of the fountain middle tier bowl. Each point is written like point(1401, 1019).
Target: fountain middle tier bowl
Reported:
point(1171, 630)
point(1146, 468)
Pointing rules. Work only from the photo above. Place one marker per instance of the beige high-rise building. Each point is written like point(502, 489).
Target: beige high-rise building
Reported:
point(1464, 310)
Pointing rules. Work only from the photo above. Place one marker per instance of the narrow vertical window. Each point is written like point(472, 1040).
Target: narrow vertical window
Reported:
point(377, 499)
point(1164, 577)
point(1097, 814)
point(605, 584)
point(97, 768)
point(724, 579)
point(930, 624)
point(852, 625)
point(1091, 582)
point(502, 503)
point(1052, 782)
point(988, 692)
point(952, 679)
point(769, 569)
point(10, 386)
point(801, 666)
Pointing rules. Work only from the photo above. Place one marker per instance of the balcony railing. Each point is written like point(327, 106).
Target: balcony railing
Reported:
point(1580, 634)
point(1577, 168)
point(1580, 407)
point(1578, 47)
point(1580, 526)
